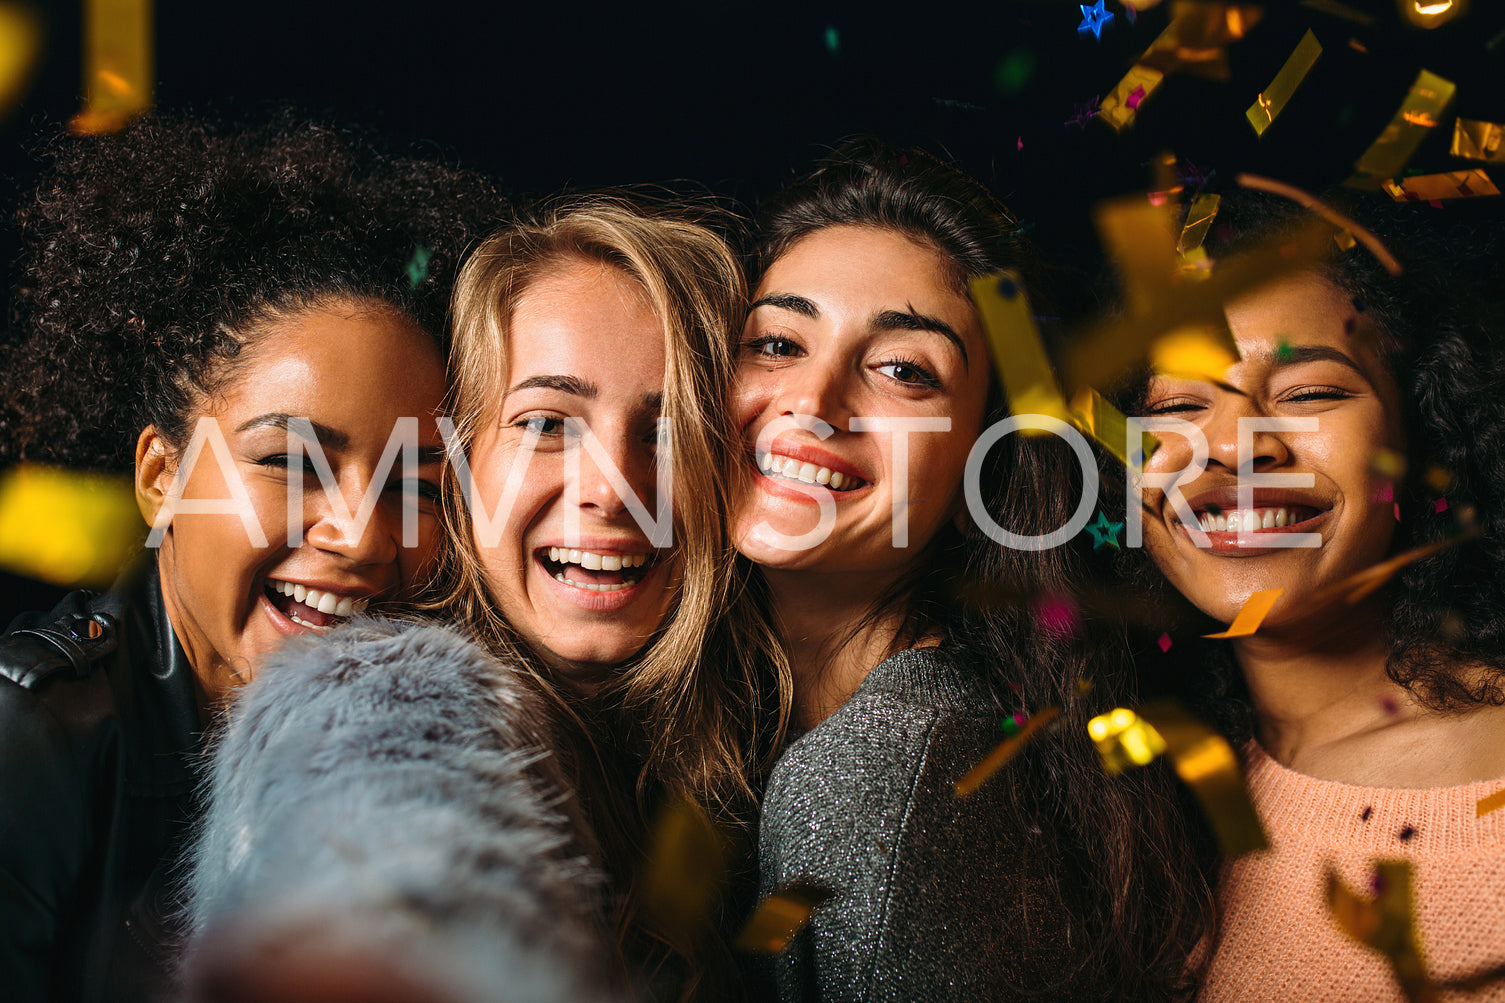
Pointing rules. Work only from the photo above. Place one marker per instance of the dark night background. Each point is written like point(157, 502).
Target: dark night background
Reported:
point(738, 96)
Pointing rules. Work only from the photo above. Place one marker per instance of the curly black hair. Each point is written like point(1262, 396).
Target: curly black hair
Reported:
point(1442, 342)
point(152, 255)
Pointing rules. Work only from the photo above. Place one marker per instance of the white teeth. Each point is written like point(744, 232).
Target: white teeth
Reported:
point(573, 557)
point(328, 603)
point(806, 473)
point(590, 561)
point(299, 592)
point(304, 623)
point(554, 554)
point(331, 603)
point(1244, 520)
point(344, 607)
point(609, 562)
point(590, 586)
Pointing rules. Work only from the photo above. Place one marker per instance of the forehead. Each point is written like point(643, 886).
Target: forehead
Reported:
point(1305, 309)
point(585, 316)
point(859, 268)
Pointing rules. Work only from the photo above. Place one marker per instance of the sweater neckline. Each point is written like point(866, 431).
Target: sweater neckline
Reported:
point(1393, 821)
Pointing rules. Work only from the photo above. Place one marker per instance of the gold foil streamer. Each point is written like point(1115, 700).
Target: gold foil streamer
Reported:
point(1202, 352)
point(1387, 924)
point(1273, 99)
point(1430, 187)
point(684, 872)
point(1255, 609)
point(1202, 758)
point(66, 527)
point(1493, 802)
point(1475, 140)
point(1115, 345)
point(119, 64)
point(1197, 39)
point(1140, 238)
point(1199, 218)
point(1388, 463)
point(779, 917)
point(1417, 115)
point(1356, 587)
point(1006, 750)
point(20, 43)
point(1107, 424)
point(1014, 342)
point(1349, 230)
point(1120, 105)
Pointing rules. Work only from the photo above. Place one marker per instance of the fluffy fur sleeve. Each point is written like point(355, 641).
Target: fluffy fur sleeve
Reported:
point(385, 794)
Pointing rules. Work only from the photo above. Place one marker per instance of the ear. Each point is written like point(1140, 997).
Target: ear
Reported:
point(155, 467)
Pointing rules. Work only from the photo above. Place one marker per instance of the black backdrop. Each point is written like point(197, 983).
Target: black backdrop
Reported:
point(736, 96)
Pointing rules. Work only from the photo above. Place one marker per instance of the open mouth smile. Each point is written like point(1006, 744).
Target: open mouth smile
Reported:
point(313, 609)
point(1251, 520)
point(775, 465)
point(594, 571)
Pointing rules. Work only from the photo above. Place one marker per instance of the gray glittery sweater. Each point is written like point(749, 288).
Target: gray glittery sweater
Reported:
point(931, 900)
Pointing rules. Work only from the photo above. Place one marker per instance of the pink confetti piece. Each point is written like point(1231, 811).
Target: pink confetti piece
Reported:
point(1440, 505)
point(1135, 96)
point(1165, 642)
point(1383, 493)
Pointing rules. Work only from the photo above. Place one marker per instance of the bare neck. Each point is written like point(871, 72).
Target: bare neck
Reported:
point(832, 639)
point(1327, 708)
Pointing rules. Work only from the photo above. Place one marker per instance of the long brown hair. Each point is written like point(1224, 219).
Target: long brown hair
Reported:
point(700, 712)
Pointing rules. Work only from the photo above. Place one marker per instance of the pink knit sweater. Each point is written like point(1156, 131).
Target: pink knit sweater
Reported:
point(1278, 941)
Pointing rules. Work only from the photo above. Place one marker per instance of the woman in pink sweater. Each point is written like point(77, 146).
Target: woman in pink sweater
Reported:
point(1372, 726)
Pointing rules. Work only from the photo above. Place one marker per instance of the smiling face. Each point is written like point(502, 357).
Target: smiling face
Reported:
point(855, 322)
point(573, 572)
point(1306, 352)
point(352, 370)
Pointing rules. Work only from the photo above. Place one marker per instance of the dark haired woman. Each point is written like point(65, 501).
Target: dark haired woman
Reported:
point(239, 313)
point(864, 386)
point(1372, 728)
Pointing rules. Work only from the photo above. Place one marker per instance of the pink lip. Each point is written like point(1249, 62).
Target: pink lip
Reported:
point(282, 624)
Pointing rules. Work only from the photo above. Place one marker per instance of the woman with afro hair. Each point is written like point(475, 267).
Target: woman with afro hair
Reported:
point(1366, 414)
point(251, 320)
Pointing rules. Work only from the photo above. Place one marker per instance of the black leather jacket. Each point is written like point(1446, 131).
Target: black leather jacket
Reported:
point(99, 734)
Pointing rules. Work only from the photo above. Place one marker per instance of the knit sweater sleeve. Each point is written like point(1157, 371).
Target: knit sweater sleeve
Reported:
point(924, 885)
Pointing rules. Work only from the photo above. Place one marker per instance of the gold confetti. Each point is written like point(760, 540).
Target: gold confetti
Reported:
point(1107, 424)
point(1493, 802)
point(1199, 217)
point(1272, 101)
point(1202, 758)
point(1430, 187)
point(1388, 463)
point(1387, 924)
point(1432, 13)
point(1115, 345)
point(1204, 351)
point(1475, 140)
point(1197, 39)
point(1437, 478)
point(1417, 115)
point(1256, 608)
point(1120, 105)
point(1140, 238)
point(1356, 587)
point(1014, 341)
point(685, 868)
point(119, 64)
point(1007, 749)
point(779, 917)
point(67, 527)
point(20, 43)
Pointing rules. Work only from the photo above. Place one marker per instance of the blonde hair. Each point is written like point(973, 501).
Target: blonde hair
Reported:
point(706, 701)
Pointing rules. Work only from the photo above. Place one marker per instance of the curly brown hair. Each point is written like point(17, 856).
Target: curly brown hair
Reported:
point(151, 252)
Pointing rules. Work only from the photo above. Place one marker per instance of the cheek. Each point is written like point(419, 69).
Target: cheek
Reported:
point(751, 393)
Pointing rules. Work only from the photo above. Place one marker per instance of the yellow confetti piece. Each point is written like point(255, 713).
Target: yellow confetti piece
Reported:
point(1113, 346)
point(1201, 757)
point(20, 43)
point(779, 917)
point(1493, 802)
point(1108, 425)
point(1432, 13)
point(1272, 101)
point(1197, 39)
point(1121, 104)
point(1256, 608)
point(1202, 352)
point(1356, 587)
point(1388, 463)
point(1417, 115)
point(66, 527)
point(119, 64)
point(1476, 140)
point(1006, 750)
point(1140, 238)
point(1014, 342)
point(1199, 217)
point(1452, 185)
point(685, 868)
point(1387, 924)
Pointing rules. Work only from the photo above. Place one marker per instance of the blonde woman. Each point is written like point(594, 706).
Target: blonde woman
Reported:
point(590, 560)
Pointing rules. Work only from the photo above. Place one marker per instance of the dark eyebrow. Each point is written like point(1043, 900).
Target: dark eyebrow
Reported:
point(791, 302)
point(328, 437)
point(912, 320)
point(564, 384)
point(1294, 355)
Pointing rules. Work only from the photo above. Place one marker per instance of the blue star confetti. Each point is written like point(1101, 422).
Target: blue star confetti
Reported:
point(1104, 532)
point(1094, 19)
